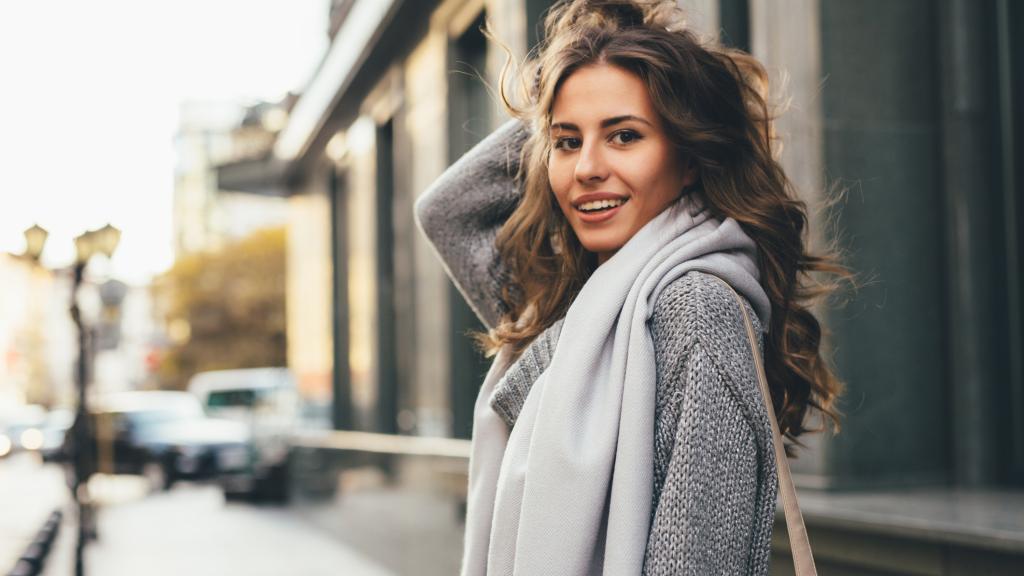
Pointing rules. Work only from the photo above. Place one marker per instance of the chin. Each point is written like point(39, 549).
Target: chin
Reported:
point(601, 245)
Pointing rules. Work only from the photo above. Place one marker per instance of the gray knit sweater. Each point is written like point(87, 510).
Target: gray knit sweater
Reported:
point(715, 482)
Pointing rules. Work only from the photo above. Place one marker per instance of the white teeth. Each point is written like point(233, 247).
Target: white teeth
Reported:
point(600, 204)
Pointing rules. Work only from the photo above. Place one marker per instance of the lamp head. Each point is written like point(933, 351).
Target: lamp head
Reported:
point(93, 242)
point(35, 240)
point(107, 239)
point(85, 246)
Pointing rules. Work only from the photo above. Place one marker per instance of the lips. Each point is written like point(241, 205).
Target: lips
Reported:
point(600, 206)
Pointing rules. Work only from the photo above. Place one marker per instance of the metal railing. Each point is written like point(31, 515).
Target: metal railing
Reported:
point(34, 558)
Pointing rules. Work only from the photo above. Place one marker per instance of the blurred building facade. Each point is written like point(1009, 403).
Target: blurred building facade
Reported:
point(912, 107)
point(40, 342)
point(36, 335)
point(207, 213)
point(127, 333)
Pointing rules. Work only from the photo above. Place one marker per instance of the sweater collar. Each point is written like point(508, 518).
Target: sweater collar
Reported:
point(510, 392)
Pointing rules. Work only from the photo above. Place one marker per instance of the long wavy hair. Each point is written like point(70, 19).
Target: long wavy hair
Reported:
point(713, 102)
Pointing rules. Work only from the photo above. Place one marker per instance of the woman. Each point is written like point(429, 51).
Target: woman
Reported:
point(620, 429)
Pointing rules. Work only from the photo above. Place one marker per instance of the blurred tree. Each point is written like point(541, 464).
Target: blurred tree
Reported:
point(224, 309)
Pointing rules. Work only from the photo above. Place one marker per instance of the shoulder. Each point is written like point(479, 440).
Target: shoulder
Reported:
point(701, 342)
point(700, 306)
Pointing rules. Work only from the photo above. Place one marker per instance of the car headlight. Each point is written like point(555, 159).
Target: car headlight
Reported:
point(5, 445)
point(32, 439)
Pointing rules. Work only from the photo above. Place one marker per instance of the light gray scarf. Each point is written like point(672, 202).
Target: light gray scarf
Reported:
point(568, 491)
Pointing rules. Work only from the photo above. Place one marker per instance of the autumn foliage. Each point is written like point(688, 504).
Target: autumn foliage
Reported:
point(224, 309)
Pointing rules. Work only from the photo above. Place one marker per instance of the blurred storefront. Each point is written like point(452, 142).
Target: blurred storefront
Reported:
point(36, 346)
point(912, 107)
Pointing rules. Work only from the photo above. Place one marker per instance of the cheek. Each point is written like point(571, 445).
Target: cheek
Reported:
point(560, 180)
point(660, 177)
point(656, 170)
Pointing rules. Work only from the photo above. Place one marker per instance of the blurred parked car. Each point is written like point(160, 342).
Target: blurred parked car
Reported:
point(267, 402)
point(162, 435)
point(194, 449)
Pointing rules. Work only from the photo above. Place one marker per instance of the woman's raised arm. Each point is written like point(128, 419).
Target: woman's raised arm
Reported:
point(462, 211)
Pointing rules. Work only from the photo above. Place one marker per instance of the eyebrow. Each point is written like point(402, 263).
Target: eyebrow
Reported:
point(604, 123)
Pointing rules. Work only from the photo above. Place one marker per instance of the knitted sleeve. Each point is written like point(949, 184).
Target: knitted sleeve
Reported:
point(715, 483)
point(461, 212)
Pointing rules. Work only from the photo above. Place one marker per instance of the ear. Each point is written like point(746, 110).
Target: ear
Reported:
point(691, 172)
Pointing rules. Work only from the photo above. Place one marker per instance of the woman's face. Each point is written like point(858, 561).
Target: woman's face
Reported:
point(611, 167)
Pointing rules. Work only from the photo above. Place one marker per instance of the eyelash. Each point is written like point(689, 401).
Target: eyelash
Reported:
point(634, 136)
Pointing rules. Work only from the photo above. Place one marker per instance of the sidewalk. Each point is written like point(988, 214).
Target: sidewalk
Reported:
point(29, 493)
point(367, 529)
point(407, 529)
point(192, 530)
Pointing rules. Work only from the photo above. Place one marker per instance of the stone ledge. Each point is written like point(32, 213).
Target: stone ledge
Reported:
point(981, 519)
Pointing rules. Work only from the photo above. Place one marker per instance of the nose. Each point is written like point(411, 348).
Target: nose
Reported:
point(590, 164)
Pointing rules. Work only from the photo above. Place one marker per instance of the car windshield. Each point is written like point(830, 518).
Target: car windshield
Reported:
point(231, 399)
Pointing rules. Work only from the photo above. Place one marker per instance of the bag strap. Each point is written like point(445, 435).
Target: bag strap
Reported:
point(799, 545)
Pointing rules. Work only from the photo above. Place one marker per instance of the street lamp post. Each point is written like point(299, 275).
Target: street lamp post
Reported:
point(102, 241)
point(81, 453)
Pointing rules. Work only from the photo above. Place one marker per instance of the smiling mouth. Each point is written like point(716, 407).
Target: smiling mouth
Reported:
point(598, 206)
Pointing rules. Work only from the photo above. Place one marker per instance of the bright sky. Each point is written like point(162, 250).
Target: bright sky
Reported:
point(89, 96)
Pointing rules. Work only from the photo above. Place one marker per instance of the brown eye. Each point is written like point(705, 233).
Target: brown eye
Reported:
point(623, 137)
point(567, 143)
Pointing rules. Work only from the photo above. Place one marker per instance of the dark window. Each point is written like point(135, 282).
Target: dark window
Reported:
point(469, 108)
point(735, 23)
point(387, 361)
point(341, 385)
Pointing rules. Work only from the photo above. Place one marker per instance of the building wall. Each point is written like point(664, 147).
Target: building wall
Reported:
point(61, 337)
point(411, 98)
point(120, 364)
point(703, 16)
point(793, 62)
point(36, 348)
point(360, 232)
point(426, 130)
point(309, 284)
